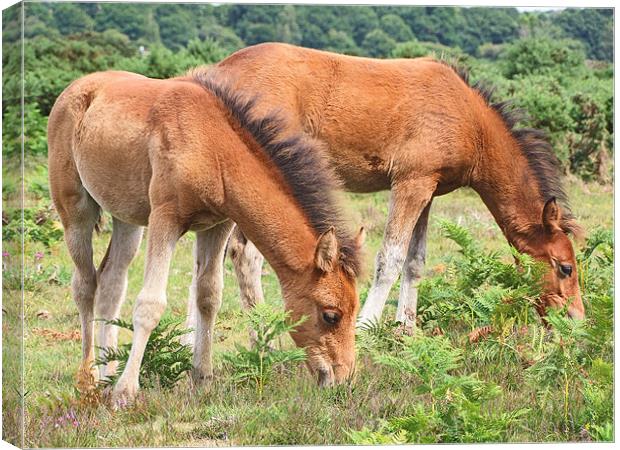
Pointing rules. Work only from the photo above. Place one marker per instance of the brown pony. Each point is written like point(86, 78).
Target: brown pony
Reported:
point(181, 155)
point(418, 128)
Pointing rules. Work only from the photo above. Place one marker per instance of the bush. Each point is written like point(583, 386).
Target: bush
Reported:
point(165, 360)
point(35, 131)
point(255, 365)
point(542, 56)
point(39, 225)
point(457, 411)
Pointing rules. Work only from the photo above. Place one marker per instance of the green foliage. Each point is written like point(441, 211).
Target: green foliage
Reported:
point(257, 364)
point(396, 28)
point(592, 26)
point(165, 360)
point(457, 410)
point(415, 49)
point(378, 43)
point(480, 289)
point(38, 225)
point(35, 131)
point(541, 56)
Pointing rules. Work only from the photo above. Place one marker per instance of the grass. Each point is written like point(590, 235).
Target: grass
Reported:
point(291, 410)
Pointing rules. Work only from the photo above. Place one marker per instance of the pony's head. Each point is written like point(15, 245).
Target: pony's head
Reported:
point(550, 243)
point(327, 297)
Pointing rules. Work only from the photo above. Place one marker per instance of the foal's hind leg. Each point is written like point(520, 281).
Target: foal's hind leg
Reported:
point(412, 272)
point(112, 284)
point(209, 283)
point(163, 233)
point(248, 263)
point(79, 215)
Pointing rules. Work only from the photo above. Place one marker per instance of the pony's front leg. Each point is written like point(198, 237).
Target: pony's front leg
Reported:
point(407, 201)
point(163, 234)
point(412, 272)
point(209, 283)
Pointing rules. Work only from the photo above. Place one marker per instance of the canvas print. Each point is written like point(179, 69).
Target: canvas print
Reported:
point(234, 225)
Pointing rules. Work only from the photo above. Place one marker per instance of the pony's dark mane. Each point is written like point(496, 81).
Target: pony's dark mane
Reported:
point(533, 143)
point(298, 159)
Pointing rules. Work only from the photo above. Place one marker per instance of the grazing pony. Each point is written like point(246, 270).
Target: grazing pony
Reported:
point(418, 128)
point(180, 155)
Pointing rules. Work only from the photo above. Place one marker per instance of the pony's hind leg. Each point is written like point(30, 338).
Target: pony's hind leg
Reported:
point(163, 233)
point(112, 284)
point(79, 218)
point(209, 282)
point(412, 272)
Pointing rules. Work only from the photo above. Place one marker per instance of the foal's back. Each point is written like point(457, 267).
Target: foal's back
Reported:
point(102, 138)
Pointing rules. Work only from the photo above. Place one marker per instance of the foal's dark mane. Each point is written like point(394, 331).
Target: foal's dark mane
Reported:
point(298, 159)
point(534, 145)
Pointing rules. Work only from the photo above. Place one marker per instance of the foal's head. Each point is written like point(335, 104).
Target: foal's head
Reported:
point(551, 244)
point(324, 290)
point(327, 297)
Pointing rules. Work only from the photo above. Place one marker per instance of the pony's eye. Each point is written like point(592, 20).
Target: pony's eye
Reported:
point(566, 269)
point(331, 317)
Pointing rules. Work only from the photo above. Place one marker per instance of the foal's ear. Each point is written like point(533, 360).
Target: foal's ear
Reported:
point(326, 255)
point(361, 237)
point(551, 215)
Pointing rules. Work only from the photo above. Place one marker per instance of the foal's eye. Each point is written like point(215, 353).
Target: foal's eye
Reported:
point(566, 269)
point(331, 317)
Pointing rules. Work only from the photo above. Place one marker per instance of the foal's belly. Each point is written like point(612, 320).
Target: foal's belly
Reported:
point(118, 187)
point(115, 170)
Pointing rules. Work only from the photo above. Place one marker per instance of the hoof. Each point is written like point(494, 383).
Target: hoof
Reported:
point(123, 396)
point(201, 380)
point(406, 329)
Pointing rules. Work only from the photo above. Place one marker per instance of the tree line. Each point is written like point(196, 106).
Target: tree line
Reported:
point(557, 65)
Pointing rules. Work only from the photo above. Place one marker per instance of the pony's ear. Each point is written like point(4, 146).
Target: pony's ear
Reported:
point(551, 215)
point(326, 255)
point(360, 238)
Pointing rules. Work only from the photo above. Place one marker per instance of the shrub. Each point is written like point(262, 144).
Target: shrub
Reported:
point(255, 365)
point(38, 226)
point(542, 55)
point(457, 410)
point(165, 360)
point(35, 131)
point(480, 289)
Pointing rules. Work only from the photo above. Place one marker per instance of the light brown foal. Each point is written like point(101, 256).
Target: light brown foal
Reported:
point(418, 128)
point(180, 155)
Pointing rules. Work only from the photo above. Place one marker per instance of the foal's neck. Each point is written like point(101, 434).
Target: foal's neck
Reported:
point(260, 202)
point(508, 187)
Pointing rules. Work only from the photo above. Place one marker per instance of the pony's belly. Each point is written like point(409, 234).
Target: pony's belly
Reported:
point(361, 177)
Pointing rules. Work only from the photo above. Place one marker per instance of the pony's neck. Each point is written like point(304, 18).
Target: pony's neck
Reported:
point(260, 202)
point(508, 187)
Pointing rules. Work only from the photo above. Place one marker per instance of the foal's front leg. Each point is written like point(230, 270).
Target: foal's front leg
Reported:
point(407, 201)
point(163, 234)
point(208, 284)
point(412, 272)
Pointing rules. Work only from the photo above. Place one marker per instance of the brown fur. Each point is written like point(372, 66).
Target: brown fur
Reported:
point(417, 127)
point(171, 155)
